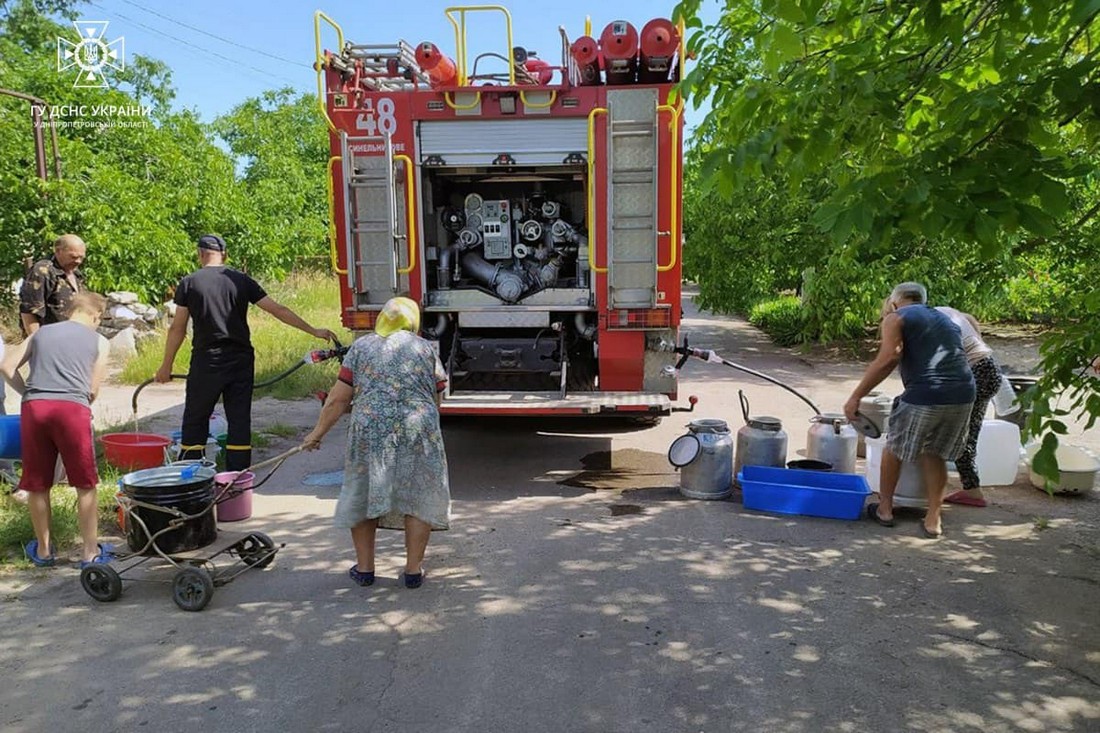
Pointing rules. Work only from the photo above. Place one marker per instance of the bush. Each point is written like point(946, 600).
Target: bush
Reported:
point(781, 318)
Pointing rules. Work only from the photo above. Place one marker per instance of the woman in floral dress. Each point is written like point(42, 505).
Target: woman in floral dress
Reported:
point(395, 475)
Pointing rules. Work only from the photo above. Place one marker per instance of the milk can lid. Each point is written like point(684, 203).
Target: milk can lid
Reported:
point(708, 425)
point(766, 422)
point(683, 450)
point(829, 417)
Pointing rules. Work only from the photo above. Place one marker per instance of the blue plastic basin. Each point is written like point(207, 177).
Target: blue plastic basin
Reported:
point(809, 493)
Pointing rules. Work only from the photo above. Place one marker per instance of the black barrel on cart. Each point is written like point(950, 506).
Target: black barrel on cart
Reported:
point(170, 489)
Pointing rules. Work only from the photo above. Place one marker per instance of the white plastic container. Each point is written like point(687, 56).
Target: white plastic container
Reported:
point(998, 457)
point(910, 490)
point(1077, 469)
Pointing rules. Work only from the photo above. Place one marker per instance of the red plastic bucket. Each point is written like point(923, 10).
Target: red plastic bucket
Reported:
point(240, 506)
point(131, 451)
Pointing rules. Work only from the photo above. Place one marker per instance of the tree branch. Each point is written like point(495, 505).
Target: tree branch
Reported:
point(1083, 29)
point(1087, 215)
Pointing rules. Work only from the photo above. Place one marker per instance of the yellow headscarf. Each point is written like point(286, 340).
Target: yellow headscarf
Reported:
point(398, 314)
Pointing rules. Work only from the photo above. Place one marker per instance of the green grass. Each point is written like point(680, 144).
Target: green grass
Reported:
point(281, 430)
point(314, 297)
point(16, 529)
point(15, 520)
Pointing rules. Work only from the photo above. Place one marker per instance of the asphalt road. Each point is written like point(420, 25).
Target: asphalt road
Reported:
point(577, 591)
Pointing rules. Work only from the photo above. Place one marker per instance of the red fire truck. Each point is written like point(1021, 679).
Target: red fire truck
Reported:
point(532, 209)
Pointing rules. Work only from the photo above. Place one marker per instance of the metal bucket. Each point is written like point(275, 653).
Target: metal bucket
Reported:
point(705, 459)
point(186, 489)
point(761, 442)
point(876, 407)
point(832, 439)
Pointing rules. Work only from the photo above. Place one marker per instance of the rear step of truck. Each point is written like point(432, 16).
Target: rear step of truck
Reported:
point(627, 404)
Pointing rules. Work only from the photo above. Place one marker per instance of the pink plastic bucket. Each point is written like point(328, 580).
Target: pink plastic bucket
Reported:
point(240, 506)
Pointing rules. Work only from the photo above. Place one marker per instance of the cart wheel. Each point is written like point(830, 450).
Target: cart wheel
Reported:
point(192, 589)
point(101, 582)
point(256, 550)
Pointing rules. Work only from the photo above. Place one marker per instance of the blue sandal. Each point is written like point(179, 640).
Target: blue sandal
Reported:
point(361, 577)
point(31, 550)
point(106, 554)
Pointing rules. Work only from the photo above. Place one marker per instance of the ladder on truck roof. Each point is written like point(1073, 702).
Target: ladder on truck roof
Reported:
point(386, 67)
point(372, 212)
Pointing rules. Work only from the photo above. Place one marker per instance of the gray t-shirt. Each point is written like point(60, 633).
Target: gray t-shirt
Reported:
point(61, 359)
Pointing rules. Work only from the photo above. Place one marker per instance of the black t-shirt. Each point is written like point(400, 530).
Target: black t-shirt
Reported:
point(217, 298)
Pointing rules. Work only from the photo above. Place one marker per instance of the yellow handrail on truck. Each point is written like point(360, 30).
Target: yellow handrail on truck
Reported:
point(319, 60)
point(589, 194)
point(332, 217)
point(460, 37)
point(410, 212)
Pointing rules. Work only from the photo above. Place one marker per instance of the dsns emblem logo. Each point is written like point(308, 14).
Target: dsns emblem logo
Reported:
point(91, 54)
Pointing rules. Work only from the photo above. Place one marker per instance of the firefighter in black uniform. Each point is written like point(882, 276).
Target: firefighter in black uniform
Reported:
point(216, 298)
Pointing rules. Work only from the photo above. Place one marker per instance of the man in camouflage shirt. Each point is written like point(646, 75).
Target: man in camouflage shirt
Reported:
point(51, 284)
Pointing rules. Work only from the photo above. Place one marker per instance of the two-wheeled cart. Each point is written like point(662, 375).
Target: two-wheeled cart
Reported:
point(169, 518)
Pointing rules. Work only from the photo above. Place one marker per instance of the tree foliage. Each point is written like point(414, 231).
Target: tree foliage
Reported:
point(141, 195)
point(958, 140)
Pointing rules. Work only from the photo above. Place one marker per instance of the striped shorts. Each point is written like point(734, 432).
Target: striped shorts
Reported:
point(937, 429)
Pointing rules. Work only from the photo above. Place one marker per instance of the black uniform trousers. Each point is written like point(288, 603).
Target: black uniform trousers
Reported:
point(227, 375)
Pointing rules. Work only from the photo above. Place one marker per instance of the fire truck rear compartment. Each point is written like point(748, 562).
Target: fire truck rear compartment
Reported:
point(507, 277)
point(508, 234)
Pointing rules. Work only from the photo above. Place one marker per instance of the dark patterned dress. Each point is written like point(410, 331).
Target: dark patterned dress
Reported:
point(396, 463)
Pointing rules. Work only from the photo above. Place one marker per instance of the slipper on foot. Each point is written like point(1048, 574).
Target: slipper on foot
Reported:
point(105, 555)
point(361, 577)
point(929, 534)
point(961, 497)
point(872, 512)
point(31, 550)
point(414, 580)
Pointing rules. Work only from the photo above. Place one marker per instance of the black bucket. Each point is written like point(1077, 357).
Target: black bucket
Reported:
point(187, 489)
point(809, 464)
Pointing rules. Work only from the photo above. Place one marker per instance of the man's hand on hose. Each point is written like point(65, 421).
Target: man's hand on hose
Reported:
point(324, 333)
point(312, 441)
point(164, 374)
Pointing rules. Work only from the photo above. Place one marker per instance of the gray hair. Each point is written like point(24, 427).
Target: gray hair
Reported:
point(913, 292)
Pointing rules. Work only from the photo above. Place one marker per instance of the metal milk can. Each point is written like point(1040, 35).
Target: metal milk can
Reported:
point(876, 407)
point(832, 439)
point(705, 459)
point(761, 442)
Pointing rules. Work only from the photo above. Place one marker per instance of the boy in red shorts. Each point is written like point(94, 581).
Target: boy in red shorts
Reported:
point(67, 362)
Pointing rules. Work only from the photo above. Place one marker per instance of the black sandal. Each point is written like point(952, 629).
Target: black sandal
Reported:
point(414, 580)
point(929, 534)
point(360, 577)
point(872, 512)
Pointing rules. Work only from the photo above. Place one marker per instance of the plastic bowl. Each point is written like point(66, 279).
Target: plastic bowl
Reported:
point(131, 451)
point(1077, 469)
